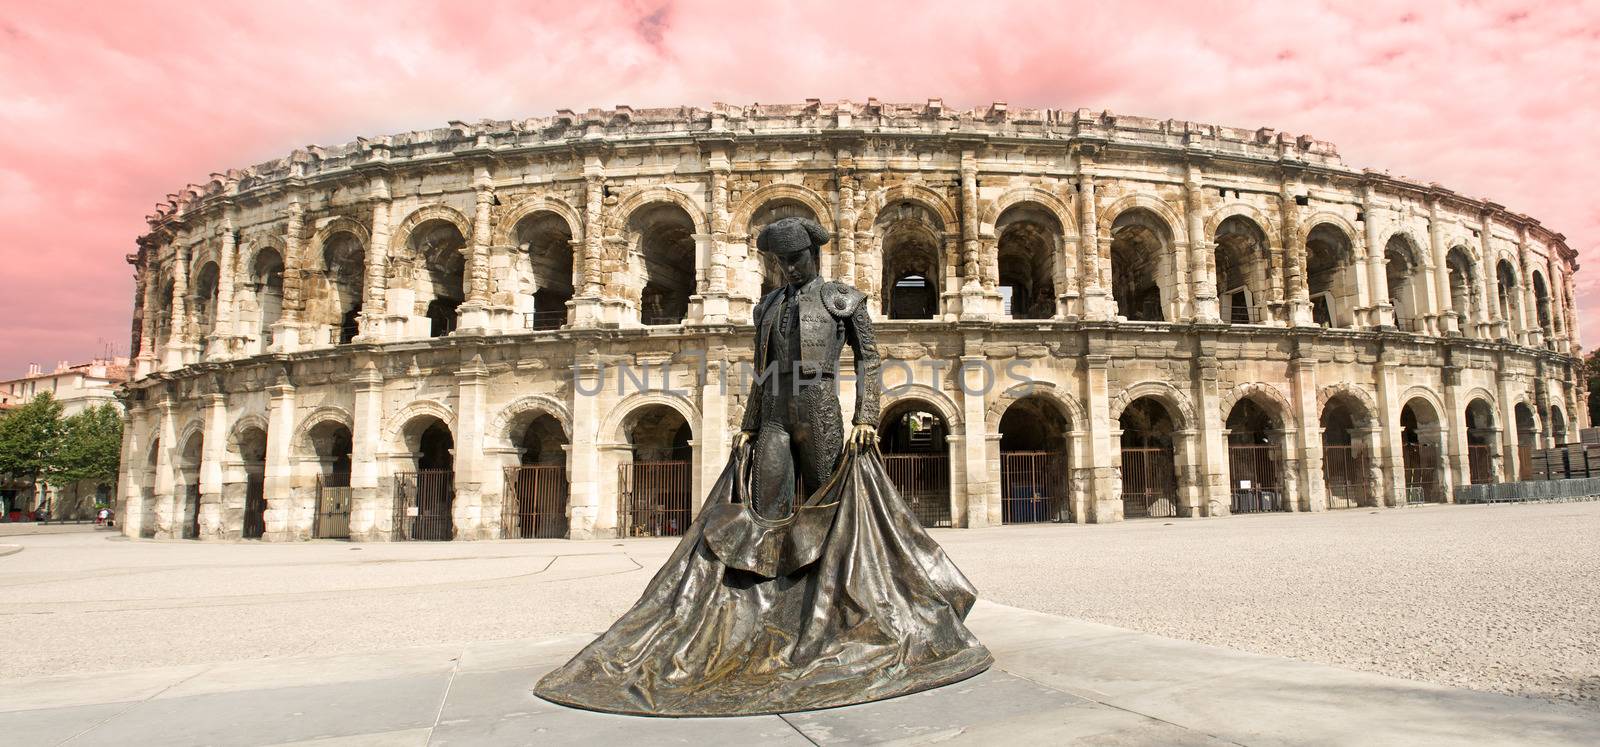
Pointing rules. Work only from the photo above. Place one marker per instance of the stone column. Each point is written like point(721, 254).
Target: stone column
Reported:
point(286, 331)
point(223, 334)
point(974, 300)
point(714, 305)
point(178, 314)
point(1449, 317)
point(1572, 341)
point(473, 315)
point(844, 269)
point(586, 303)
point(1532, 334)
point(1105, 502)
point(1494, 327)
point(373, 311)
point(1382, 308)
point(1557, 307)
point(369, 511)
point(149, 286)
point(214, 450)
point(471, 473)
point(1294, 253)
point(1096, 297)
point(1202, 252)
point(280, 518)
point(168, 502)
point(583, 469)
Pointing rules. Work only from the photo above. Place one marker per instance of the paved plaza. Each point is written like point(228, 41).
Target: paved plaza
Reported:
point(255, 643)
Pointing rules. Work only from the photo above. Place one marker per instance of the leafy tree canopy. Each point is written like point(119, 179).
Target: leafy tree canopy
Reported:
point(29, 436)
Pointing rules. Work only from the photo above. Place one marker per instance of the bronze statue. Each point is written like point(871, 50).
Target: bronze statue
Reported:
point(773, 606)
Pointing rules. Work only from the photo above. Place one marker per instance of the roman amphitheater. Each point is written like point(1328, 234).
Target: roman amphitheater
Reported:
point(540, 328)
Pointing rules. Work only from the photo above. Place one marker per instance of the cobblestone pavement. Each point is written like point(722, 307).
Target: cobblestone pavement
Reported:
point(1500, 598)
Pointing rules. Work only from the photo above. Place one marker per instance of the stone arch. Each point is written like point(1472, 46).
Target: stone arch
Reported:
point(1479, 392)
point(251, 247)
point(527, 206)
point(394, 430)
point(323, 414)
point(1419, 258)
point(1335, 220)
point(341, 224)
point(500, 427)
point(1155, 205)
point(1038, 196)
point(1418, 391)
point(1064, 402)
point(768, 193)
point(612, 426)
point(920, 194)
point(923, 393)
point(426, 213)
point(1176, 402)
point(249, 421)
point(1266, 225)
point(652, 195)
point(1361, 396)
point(1262, 393)
point(189, 430)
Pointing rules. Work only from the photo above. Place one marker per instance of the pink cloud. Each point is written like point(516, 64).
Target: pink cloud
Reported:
point(107, 108)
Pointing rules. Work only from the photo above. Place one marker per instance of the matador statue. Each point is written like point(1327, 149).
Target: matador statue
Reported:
point(804, 582)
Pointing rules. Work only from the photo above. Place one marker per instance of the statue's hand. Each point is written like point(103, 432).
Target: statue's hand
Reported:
point(742, 438)
point(864, 435)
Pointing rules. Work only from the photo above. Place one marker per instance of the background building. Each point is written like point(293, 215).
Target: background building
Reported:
point(461, 333)
point(78, 388)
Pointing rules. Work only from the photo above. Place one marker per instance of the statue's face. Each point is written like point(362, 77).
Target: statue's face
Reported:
point(798, 267)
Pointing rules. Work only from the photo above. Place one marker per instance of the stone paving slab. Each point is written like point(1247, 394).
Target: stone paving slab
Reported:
point(1056, 681)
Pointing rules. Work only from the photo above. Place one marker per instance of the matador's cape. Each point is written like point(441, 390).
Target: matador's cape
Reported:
point(847, 600)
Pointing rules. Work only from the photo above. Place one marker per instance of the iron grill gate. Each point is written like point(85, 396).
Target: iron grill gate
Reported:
point(653, 498)
point(333, 507)
point(1479, 466)
point(1261, 467)
point(255, 506)
point(1149, 483)
point(1421, 467)
point(535, 502)
point(1344, 470)
point(924, 484)
point(191, 506)
point(1033, 487)
point(423, 500)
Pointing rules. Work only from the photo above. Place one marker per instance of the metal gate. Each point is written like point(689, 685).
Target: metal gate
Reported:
point(535, 502)
point(1033, 487)
point(1479, 465)
point(1421, 467)
point(191, 507)
point(423, 500)
point(653, 498)
point(1149, 483)
point(1255, 474)
point(333, 507)
point(1347, 477)
point(255, 506)
point(924, 484)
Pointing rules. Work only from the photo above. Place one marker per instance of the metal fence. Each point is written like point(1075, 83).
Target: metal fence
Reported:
point(653, 498)
point(1033, 487)
point(255, 506)
point(1255, 473)
point(924, 484)
point(1149, 483)
point(1420, 464)
point(423, 502)
point(535, 502)
point(1480, 466)
point(1346, 476)
point(332, 520)
point(543, 320)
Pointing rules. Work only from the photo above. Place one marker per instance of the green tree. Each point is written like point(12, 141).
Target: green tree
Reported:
point(88, 447)
point(28, 439)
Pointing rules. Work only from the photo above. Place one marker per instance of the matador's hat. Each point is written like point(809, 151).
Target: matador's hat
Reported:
point(790, 235)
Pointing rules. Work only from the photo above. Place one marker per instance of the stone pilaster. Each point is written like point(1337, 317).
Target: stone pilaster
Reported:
point(1207, 459)
point(1390, 457)
point(587, 302)
point(982, 484)
point(168, 503)
point(1106, 501)
point(1097, 302)
point(370, 511)
point(1202, 252)
point(149, 285)
point(1294, 267)
point(584, 479)
point(178, 319)
point(282, 519)
point(1381, 312)
point(844, 265)
point(714, 304)
point(373, 312)
point(1303, 390)
point(214, 450)
point(286, 331)
point(223, 335)
point(1447, 315)
point(1528, 311)
point(472, 471)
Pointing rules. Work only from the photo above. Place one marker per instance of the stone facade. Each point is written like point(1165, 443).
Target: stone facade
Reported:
point(1117, 291)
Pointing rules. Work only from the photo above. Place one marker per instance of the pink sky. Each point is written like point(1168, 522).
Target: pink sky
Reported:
point(107, 108)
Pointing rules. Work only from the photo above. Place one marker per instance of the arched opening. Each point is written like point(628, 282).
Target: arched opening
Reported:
point(1401, 268)
point(1330, 276)
point(1506, 281)
point(1149, 464)
point(1527, 440)
point(441, 280)
point(1420, 439)
point(546, 239)
point(205, 304)
point(1463, 288)
point(1035, 472)
point(657, 484)
point(663, 237)
point(913, 249)
point(331, 445)
point(1541, 302)
point(1241, 262)
point(1255, 458)
point(425, 497)
point(266, 284)
point(163, 313)
point(189, 469)
point(536, 489)
point(916, 454)
point(251, 444)
point(1346, 462)
point(1558, 426)
point(1029, 241)
point(1140, 245)
point(344, 262)
point(770, 275)
point(1480, 442)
